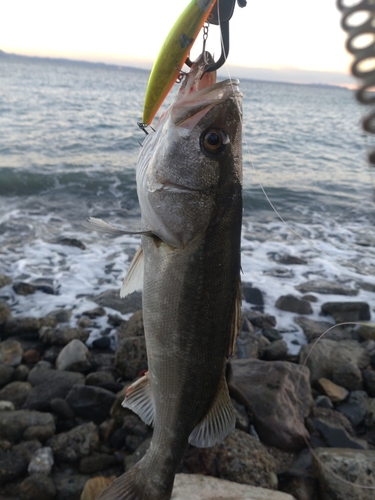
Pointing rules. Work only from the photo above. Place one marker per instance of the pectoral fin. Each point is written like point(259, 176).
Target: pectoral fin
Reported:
point(103, 227)
point(134, 277)
point(139, 399)
point(219, 421)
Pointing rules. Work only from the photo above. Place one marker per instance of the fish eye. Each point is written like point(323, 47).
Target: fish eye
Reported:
point(213, 141)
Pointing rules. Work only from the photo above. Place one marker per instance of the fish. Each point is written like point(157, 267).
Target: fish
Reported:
point(189, 184)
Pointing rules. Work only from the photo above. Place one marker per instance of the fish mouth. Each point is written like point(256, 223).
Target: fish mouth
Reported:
point(199, 93)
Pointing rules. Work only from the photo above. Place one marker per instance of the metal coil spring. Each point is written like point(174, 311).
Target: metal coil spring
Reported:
point(362, 54)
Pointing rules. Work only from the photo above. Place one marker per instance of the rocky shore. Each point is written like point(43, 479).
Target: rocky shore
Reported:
point(305, 423)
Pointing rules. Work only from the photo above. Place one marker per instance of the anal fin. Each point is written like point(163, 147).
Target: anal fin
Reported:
point(134, 277)
point(219, 421)
point(139, 399)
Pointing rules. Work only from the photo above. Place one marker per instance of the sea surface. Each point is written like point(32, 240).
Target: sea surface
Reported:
point(69, 144)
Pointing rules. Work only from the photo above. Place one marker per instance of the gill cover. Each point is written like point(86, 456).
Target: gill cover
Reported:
point(173, 54)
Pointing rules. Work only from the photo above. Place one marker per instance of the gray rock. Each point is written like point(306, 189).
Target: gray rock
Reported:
point(323, 402)
point(133, 425)
point(14, 423)
point(61, 315)
point(16, 392)
point(368, 382)
point(62, 335)
point(252, 295)
point(22, 288)
point(260, 320)
point(131, 357)
point(71, 242)
point(102, 343)
point(38, 486)
point(50, 384)
point(132, 328)
point(337, 437)
point(95, 313)
point(366, 332)
point(327, 356)
point(272, 334)
point(74, 357)
point(69, 485)
point(240, 458)
point(325, 287)
point(27, 449)
point(250, 345)
point(91, 402)
point(111, 298)
point(103, 361)
point(62, 409)
point(349, 376)
point(343, 312)
point(96, 463)
point(41, 462)
point(6, 374)
point(315, 329)
point(287, 260)
point(341, 472)
point(11, 352)
point(51, 353)
point(4, 280)
point(202, 487)
point(21, 373)
point(333, 417)
point(275, 351)
point(12, 465)
point(278, 395)
point(27, 328)
point(99, 378)
point(6, 406)
point(355, 407)
point(293, 304)
point(77, 443)
point(39, 432)
point(4, 311)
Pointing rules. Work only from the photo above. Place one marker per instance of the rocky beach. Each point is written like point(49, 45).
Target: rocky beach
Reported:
point(305, 422)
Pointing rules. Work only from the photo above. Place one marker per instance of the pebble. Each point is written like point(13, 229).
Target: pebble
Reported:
point(37, 486)
point(335, 392)
point(11, 352)
point(41, 462)
point(74, 356)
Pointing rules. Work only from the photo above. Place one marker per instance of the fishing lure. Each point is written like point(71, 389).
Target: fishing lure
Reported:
point(176, 48)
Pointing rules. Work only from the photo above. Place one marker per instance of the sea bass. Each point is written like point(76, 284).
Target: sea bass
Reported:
point(189, 182)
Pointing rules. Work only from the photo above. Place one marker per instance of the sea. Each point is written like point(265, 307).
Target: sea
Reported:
point(69, 143)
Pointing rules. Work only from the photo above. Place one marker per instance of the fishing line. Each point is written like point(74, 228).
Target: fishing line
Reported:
point(257, 175)
point(312, 451)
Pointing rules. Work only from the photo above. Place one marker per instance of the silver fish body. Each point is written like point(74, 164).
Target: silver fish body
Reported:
point(189, 181)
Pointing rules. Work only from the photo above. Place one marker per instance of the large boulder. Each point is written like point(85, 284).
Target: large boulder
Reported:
point(343, 312)
point(341, 473)
point(340, 362)
point(278, 395)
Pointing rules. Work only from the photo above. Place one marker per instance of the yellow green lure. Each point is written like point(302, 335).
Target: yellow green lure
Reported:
point(173, 54)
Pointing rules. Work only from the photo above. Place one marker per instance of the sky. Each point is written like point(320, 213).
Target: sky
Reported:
point(285, 40)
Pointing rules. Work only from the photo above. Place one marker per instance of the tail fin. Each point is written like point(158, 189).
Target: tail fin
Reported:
point(135, 485)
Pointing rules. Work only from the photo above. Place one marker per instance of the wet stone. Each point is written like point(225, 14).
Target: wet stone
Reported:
point(293, 304)
point(95, 313)
point(62, 335)
point(22, 288)
point(91, 402)
point(272, 334)
point(4, 312)
point(77, 443)
point(337, 437)
point(27, 328)
point(355, 407)
point(12, 466)
point(325, 287)
point(343, 312)
point(252, 295)
point(275, 351)
point(4, 280)
point(38, 486)
point(16, 392)
point(11, 352)
point(14, 423)
point(72, 242)
point(6, 374)
point(315, 329)
point(62, 409)
point(260, 320)
point(102, 343)
point(323, 402)
point(74, 357)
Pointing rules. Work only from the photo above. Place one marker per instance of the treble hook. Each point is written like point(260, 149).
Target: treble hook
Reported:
point(221, 14)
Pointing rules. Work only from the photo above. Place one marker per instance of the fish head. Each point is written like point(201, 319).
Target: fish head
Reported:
point(193, 154)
